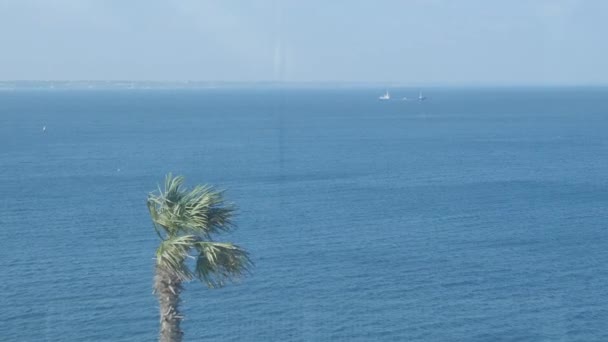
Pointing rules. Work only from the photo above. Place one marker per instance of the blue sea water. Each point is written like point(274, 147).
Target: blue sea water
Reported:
point(477, 215)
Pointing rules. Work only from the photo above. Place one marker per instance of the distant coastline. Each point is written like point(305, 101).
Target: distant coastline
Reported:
point(160, 85)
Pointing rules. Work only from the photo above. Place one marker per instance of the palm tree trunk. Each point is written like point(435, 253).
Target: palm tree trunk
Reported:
point(167, 287)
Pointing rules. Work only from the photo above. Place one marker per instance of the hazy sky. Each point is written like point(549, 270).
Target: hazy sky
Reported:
point(406, 41)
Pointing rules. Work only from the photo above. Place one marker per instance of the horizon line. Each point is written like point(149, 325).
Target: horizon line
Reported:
point(123, 82)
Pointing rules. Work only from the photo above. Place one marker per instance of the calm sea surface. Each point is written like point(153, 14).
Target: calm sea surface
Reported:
point(477, 215)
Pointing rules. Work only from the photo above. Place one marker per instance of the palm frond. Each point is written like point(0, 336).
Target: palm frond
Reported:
point(201, 210)
point(220, 262)
point(154, 214)
point(173, 193)
point(173, 252)
point(206, 211)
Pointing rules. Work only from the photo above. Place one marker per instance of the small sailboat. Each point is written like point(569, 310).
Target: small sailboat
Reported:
point(421, 97)
point(386, 96)
point(43, 129)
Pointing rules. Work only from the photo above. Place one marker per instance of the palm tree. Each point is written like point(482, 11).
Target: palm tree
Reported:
point(185, 221)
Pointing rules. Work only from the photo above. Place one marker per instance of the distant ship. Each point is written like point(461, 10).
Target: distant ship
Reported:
point(43, 129)
point(386, 96)
point(420, 97)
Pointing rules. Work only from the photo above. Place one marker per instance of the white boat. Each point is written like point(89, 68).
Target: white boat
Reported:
point(386, 96)
point(420, 97)
point(43, 129)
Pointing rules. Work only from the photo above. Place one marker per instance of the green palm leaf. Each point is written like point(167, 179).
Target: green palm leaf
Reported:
point(200, 211)
point(219, 262)
point(172, 254)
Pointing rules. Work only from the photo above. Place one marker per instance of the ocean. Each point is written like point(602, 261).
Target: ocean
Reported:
point(477, 215)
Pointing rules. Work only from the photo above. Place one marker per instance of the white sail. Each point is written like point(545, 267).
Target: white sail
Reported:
point(386, 96)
